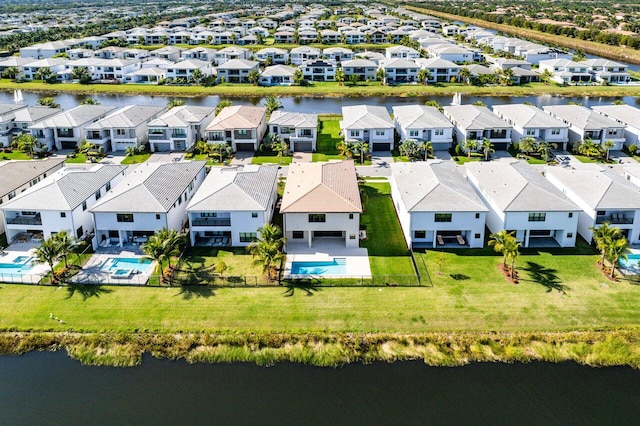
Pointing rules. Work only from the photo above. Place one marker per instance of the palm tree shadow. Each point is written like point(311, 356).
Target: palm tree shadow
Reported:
point(308, 285)
point(545, 277)
point(189, 292)
point(86, 291)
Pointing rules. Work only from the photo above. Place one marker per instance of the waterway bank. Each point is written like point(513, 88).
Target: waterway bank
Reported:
point(596, 348)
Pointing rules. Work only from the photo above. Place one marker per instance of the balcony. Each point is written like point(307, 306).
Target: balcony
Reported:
point(615, 219)
point(24, 220)
point(248, 135)
point(211, 221)
point(158, 136)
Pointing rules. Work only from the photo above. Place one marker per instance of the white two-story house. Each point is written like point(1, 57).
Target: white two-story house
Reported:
point(321, 201)
point(627, 116)
point(242, 126)
point(232, 204)
point(529, 121)
point(603, 196)
point(236, 70)
point(436, 206)
point(423, 123)
point(477, 123)
point(522, 201)
point(153, 196)
point(370, 124)
point(299, 129)
point(585, 123)
point(60, 202)
point(179, 128)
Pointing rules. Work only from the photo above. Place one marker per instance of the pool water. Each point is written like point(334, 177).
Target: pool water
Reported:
point(337, 266)
point(631, 263)
point(135, 264)
point(20, 265)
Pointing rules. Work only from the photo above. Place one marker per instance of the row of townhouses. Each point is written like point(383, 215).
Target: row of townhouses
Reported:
point(244, 127)
point(438, 204)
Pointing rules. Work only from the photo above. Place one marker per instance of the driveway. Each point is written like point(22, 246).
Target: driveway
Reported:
point(242, 158)
point(165, 157)
point(302, 157)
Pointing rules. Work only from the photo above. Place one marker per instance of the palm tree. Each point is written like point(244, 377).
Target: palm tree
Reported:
point(546, 76)
point(222, 104)
point(506, 77)
point(544, 148)
point(272, 104)
point(26, 143)
point(501, 241)
point(608, 144)
point(65, 245)
point(434, 104)
point(427, 148)
point(222, 149)
point(154, 250)
point(345, 148)
point(617, 249)
point(361, 148)
point(512, 251)
point(130, 151)
point(267, 249)
point(603, 235)
point(528, 144)
point(589, 148)
point(470, 145)
point(381, 74)
point(48, 102)
point(410, 148)
point(423, 76)
point(45, 74)
point(277, 145)
point(339, 76)
point(487, 148)
point(48, 252)
point(197, 76)
point(253, 77)
point(298, 77)
point(82, 74)
point(464, 75)
point(11, 73)
point(175, 103)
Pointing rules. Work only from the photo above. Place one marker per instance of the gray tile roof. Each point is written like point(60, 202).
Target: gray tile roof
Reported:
point(623, 113)
point(365, 117)
point(128, 117)
point(435, 187)
point(182, 116)
point(66, 189)
point(420, 117)
point(76, 117)
point(231, 189)
point(294, 119)
point(473, 117)
point(14, 174)
point(150, 188)
point(518, 187)
point(599, 188)
point(582, 117)
point(528, 116)
point(33, 114)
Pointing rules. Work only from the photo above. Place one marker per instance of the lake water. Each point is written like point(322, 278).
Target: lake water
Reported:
point(50, 388)
point(319, 105)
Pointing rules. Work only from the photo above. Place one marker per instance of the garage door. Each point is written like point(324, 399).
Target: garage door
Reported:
point(325, 234)
point(69, 145)
point(381, 147)
point(161, 147)
point(302, 146)
point(500, 145)
point(244, 147)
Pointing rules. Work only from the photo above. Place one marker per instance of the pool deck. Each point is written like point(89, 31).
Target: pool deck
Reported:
point(91, 273)
point(23, 249)
point(357, 259)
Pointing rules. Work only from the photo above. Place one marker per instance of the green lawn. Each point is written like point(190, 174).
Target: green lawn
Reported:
point(137, 158)
point(78, 158)
point(388, 253)
point(271, 157)
point(328, 138)
point(14, 155)
point(199, 266)
point(461, 159)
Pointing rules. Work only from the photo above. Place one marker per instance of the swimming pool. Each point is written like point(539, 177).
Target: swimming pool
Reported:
point(134, 264)
point(20, 265)
point(336, 266)
point(631, 264)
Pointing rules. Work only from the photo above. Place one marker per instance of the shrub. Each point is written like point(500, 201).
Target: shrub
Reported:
point(458, 150)
point(633, 149)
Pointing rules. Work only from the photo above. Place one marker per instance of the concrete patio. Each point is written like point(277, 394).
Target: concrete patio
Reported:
point(91, 272)
point(325, 249)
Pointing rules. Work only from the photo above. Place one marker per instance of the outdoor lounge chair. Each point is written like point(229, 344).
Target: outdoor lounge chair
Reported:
point(440, 240)
point(461, 240)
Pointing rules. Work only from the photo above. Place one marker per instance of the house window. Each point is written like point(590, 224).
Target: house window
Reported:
point(477, 215)
point(305, 133)
point(254, 214)
point(442, 217)
point(297, 235)
point(570, 214)
point(438, 132)
point(380, 132)
point(355, 133)
point(569, 234)
point(537, 217)
point(209, 214)
point(12, 194)
point(98, 195)
point(84, 205)
point(317, 217)
point(531, 132)
point(157, 216)
point(124, 217)
point(612, 132)
point(476, 236)
point(63, 214)
point(414, 133)
point(350, 215)
point(247, 237)
point(555, 131)
point(601, 213)
point(352, 236)
point(120, 132)
point(108, 186)
point(419, 234)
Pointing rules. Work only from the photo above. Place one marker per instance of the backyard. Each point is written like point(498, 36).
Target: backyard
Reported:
point(199, 267)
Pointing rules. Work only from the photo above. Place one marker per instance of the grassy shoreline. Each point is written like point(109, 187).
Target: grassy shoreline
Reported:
point(320, 90)
point(591, 47)
point(597, 348)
